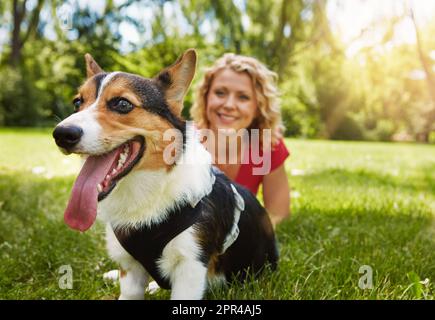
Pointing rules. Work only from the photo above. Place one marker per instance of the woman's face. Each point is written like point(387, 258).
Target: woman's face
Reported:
point(231, 101)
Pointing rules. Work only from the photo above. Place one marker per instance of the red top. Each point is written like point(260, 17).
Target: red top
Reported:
point(251, 174)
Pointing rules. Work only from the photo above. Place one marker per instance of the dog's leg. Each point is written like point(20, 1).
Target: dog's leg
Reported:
point(133, 277)
point(180, 264)
point(133, 282)
point(189, 280)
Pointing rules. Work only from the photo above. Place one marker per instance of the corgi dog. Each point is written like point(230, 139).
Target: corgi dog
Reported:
point(183, 223)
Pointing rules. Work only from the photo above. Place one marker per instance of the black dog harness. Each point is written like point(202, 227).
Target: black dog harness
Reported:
point(146, 244)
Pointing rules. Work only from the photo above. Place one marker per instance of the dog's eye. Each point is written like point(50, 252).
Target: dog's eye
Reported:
point(77, 102)
point(120, 105)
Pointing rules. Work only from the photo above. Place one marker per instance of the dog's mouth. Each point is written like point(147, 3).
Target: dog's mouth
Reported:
point(96, 180)
point(127, 156)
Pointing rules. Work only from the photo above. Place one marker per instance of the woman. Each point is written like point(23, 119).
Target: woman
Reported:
point(239, 93)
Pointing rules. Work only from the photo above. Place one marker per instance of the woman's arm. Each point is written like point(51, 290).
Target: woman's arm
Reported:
point(276, 195)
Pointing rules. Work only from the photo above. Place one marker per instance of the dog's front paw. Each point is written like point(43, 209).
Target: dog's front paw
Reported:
point(112, 275)
point(153, 287)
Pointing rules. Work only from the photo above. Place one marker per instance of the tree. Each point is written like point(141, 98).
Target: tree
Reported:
point(25, 23)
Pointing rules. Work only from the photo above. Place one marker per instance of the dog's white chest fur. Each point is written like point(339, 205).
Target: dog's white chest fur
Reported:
point(145, 197)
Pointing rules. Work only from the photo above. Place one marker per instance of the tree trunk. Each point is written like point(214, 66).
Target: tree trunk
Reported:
point(17, 38)
point(16, 44)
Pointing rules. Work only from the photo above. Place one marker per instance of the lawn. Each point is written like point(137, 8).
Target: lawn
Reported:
point(358, 208)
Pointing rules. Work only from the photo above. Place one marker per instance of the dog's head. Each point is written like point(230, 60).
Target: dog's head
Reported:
point(118, 124)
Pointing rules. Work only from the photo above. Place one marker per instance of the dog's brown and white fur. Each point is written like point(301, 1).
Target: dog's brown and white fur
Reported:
point(126, 114)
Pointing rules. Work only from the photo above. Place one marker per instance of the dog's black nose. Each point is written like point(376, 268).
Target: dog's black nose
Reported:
point(67, 136)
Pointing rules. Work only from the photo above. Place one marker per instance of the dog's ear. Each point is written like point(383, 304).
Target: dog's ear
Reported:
point(92, 68)
point(176, 79)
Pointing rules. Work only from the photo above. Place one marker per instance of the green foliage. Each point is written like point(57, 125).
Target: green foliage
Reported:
point(325, 92)
point(347, 129)
point(299, 108)
point(21, 101)
point(383, 132)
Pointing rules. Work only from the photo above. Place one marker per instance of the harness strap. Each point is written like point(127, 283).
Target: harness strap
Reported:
point(234, 233)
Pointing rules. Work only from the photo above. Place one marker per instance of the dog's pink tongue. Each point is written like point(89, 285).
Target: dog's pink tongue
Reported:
point(81, 211)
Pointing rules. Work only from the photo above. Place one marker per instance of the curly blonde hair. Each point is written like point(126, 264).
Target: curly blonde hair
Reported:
point(266, 92)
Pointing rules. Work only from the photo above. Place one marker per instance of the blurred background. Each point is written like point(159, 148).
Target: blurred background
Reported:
point(348, 70)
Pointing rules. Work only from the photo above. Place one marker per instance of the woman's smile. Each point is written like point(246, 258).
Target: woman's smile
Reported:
point(226, 118)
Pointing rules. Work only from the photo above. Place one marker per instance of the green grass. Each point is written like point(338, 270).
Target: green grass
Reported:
point(353, 204)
